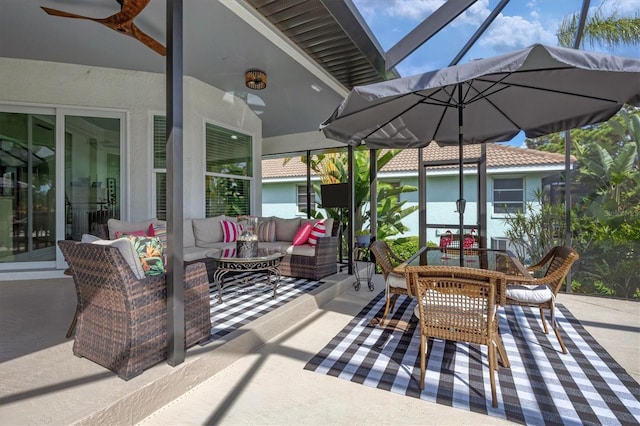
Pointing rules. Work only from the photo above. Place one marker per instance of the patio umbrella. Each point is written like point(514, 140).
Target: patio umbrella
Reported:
point(540, 90)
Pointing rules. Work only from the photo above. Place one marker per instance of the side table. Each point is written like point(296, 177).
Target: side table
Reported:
point(362, 255)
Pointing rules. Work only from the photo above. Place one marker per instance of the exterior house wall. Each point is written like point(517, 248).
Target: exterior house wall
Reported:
point(139, 95)
point(442, 193)
point(280, 199)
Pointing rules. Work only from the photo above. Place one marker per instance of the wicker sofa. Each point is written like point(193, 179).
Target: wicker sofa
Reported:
point(202, 236)
point(121, 317)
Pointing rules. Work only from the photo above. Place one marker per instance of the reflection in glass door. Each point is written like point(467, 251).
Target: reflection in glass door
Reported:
point(27, 187)
point(92, 173)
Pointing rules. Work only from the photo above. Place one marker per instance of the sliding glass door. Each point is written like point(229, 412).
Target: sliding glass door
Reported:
point(60, 176)
point(27, 187)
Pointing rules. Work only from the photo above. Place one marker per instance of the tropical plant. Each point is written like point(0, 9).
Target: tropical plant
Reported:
point(332, 168)
point(601, 30)
point(606, 216)
point(536, 230)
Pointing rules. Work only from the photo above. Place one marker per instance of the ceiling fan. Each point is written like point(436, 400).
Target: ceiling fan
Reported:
point(121, 22)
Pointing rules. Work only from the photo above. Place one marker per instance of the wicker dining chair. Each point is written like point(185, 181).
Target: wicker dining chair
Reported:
point(396, 284)
point(541, 292)
point(460, 310)
point(122, 320)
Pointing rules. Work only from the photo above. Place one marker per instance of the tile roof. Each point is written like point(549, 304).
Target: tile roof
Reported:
point(498, 156)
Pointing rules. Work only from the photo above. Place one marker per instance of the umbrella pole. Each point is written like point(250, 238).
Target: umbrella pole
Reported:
point(460, 204)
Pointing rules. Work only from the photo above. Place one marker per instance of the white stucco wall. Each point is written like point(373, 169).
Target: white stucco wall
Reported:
point(138, 95)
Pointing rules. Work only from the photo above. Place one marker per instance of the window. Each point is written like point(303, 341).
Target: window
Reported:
point(228, 173)
point(508, 195)
point(160, 164)
point(302, 199)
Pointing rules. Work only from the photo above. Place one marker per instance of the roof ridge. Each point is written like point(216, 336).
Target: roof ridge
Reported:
point(530, 151)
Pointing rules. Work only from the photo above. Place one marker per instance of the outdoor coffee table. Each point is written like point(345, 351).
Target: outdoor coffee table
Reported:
point(265, 260)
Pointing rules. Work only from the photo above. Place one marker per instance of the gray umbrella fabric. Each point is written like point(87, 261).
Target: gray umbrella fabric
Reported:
point(540, 90)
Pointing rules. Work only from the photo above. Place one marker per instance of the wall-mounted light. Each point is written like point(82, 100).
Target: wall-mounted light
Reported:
point(255, 79)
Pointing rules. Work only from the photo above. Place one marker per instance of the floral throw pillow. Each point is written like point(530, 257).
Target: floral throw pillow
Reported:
point(151, 254)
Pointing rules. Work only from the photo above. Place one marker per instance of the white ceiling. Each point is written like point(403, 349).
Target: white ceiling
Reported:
point(219, 46)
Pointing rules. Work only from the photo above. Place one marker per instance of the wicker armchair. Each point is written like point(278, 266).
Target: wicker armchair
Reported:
point(459, 309)
point(541, 292)
point(396, 284)
point(122, 322)
point(102, 231)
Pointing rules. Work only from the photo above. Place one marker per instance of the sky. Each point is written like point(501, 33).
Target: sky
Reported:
point(520, 24)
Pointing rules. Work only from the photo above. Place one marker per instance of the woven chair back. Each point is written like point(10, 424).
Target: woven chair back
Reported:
point(457, 309)
point(496, 279)
point(561, 260)
point(384, 256)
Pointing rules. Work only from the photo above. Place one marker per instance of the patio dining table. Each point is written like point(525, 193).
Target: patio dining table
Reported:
point(490, 259)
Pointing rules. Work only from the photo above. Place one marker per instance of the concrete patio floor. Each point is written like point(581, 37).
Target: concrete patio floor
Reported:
point(256, 378)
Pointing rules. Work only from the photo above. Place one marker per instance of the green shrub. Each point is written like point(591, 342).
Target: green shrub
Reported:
point(405, 247)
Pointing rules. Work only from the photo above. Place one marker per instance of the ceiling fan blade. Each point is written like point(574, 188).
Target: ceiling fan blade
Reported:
point(64, 14)
point(147, 40)
point(132, 8)
point(121, 22)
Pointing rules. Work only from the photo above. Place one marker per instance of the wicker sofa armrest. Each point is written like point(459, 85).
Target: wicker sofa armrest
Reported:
point(197, 316)
point(322, 264)
point(327, 250)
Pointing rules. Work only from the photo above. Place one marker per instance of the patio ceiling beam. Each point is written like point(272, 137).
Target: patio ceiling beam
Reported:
point(435, 22)
point(349, 19)
point(493, 15)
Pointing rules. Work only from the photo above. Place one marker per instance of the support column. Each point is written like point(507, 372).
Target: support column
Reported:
point(175, 201)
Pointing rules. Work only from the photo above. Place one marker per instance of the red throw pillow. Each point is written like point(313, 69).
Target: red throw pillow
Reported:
point(302, 234)
point(318, 231)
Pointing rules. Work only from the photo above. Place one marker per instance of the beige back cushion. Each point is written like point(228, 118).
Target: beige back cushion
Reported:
point(209, 230)
point(128, 252)
point(126, 226)
point(328, 224)
point(189, 236)
point(286, 228)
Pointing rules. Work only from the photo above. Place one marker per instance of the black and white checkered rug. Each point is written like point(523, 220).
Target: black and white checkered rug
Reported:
point(242, 304)
point(543, 386)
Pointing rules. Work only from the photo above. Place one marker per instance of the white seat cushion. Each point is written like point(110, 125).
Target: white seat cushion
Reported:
point(396, 281)
point(534, 294)
point(302, 250)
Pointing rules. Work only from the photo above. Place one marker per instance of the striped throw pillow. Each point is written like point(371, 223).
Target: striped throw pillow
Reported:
point(160, 231)
point(267, 231)
point(318, 231)
point(230, 231)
